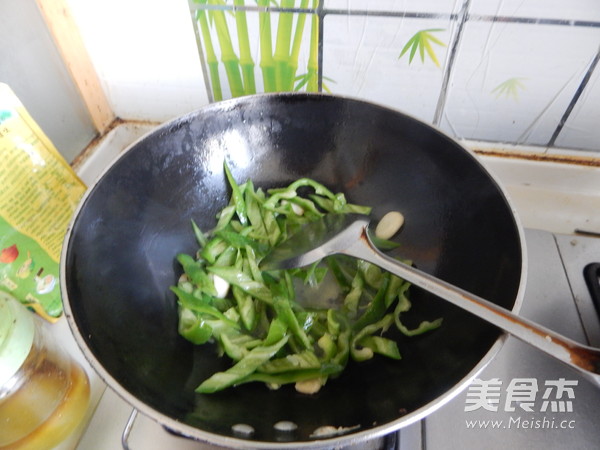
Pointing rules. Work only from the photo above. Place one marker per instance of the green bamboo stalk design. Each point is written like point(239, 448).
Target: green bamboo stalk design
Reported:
point(422, 41)
point(246, 61)
point(510, 88)
point(210, 55)
point(313, 57)
point(282, 47)
point(278, 66)
point(228, 55)
point(310, 79)
point(296, 45)
point(267, 64)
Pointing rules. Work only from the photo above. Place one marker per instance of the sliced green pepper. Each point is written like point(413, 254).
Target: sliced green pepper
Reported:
point(237, 196)
point(244, 367)
point(244, 281)
point(258, 323)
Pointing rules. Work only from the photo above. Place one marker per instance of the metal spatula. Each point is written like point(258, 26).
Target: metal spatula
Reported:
point(349, 235)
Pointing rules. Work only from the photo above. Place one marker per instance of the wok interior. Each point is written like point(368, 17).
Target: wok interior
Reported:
point(120, 258)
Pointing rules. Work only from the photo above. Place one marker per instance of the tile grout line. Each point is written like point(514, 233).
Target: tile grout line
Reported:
point(575, 99)
point(536, 21)
point(321, 10)
point(321, 44)
point(441, 103)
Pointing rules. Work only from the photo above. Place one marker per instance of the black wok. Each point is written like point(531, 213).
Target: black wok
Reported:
point(118, 262)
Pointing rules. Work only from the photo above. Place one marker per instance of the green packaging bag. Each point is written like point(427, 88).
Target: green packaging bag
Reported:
point(38, 194)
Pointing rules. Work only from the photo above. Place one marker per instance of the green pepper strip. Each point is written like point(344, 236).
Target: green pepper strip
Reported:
point(189, 301)
point(244, 281)
point(253, 211)
point(343, 348)
point(192, 327)
point(327, 344)
point(296, 361)
point(351, 300)
point(290, 192)
point(326, 369)
point(403, 305)
point(236, 239)
point(244, 367)
point(383, 244)
point(284, 311)
point(365, 353)
point(272, 227)
point(195, 273)
point(213, 249)
point(423, 327)
point(237, 346)
point(199, 234)
point(381, 345)
point(277, 330)
point(333, 322)
point(332, 206)
point(253, 264)
point(227, 257)
point(225, 217)
point(311, 275)
point(342, 278)
point(372, 274)
point(245, 306)
point(309, 208)
point(396, 288)
point(237, 196)
point(376, 308)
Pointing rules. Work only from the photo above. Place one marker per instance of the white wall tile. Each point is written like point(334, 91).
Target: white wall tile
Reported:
point(582, 129)
point(548, 61)
point(361, 54)
point(586, 10)
point(428, 6)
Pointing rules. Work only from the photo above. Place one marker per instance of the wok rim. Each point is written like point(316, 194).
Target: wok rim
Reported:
point(351, 438)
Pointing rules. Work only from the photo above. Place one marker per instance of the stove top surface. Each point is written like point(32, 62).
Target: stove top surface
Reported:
point(523, 398)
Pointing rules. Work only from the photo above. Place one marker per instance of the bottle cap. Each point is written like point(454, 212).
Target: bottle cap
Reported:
point(16, 335)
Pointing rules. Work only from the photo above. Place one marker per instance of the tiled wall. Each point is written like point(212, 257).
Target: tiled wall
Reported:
point(512, 71)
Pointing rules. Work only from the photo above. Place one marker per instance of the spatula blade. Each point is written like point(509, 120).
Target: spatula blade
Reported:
point(311, 243)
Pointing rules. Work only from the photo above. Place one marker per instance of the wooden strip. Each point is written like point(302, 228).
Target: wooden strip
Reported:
point(66, 35)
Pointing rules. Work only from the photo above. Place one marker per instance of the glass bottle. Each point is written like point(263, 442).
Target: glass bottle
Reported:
point(44, 393)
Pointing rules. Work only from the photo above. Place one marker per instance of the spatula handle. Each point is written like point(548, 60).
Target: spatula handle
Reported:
point(584, 359)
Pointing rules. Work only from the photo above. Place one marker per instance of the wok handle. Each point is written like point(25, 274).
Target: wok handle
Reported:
point(584, 359)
